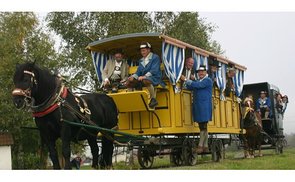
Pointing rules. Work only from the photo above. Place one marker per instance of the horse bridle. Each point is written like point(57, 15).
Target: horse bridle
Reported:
point(26, 93)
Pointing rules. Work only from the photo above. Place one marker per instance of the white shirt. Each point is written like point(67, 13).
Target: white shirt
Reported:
point(146, 60)
point(117, 70)
point(187, 74)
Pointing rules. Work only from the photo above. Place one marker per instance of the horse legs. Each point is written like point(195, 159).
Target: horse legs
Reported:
point(66, 152)
point(94, 151)
point(107, 153)
point(252, 147)
point(246, 149)
point(246, 152)
point(259, 145)
point(53, 154)
point(66, 145)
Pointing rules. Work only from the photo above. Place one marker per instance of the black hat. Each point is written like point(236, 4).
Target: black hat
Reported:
point(213, 62)
point(231, 69)
point(145, 45)
point(202, 68)
point(118, 51)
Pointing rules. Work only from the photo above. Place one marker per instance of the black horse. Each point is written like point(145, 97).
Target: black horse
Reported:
point(52, 104)
point(252, 124)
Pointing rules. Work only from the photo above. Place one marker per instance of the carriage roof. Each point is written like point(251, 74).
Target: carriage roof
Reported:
point(130, 42)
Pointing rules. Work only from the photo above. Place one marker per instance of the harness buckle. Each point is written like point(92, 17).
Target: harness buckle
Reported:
point(87, 111)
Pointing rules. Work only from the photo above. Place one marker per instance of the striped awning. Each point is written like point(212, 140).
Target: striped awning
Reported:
point(173, 59)
point(238, 81)
point(199, 60)
point(221, 79)
point(99, 62)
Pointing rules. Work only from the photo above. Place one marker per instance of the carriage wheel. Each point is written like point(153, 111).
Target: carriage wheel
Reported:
point(145, 159)
point(279, 146)
point(189, 153)
point(218, 152)
point(176, 157)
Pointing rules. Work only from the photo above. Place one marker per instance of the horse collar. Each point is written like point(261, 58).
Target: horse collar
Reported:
point(53, 103)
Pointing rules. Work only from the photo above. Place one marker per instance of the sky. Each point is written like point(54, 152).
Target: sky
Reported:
point(264, 43)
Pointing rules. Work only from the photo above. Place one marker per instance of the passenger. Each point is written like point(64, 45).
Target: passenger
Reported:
point(285, 103)
point(263, 106)
point(148, 72)
point(279, 103)
point(231, 72)
point(202, 104)
point(213, 69)
point(115, 72)
point(188, 71)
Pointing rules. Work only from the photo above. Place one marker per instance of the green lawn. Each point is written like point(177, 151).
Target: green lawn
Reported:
point(233, 160)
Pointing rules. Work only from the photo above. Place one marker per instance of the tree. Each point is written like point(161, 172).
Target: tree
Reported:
point(21, 41)
point(188, 27)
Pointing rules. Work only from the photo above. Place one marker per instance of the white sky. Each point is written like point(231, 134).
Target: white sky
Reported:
point(264, 43)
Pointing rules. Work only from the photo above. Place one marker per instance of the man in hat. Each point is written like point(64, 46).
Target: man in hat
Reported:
point(202, 104)
point(214, 65)
point(263, 105)
point(188, 71)
point(231, 72)
point(148, 72)
point(115, 72)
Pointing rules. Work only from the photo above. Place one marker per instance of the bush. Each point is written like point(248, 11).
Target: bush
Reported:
point(31, 161)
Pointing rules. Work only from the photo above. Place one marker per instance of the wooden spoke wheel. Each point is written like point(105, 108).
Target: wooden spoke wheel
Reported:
point(189, 153)
point(217, 149)
point(145, 157)
point(176, 157)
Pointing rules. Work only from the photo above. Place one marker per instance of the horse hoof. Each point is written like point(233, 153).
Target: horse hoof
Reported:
point(260, 155)
point(252, 157)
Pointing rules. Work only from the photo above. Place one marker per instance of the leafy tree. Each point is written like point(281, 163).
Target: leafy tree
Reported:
point(188, 27)
point(21, 40)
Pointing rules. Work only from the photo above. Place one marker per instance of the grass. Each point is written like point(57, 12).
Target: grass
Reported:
point(233, 161)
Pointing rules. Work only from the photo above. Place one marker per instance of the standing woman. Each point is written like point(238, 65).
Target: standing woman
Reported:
point(202, 104)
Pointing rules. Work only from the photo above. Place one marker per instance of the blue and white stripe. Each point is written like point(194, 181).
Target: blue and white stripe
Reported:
point(99, 62)
point(221, 79)
point(199, 60)
point(173, 59)
point(238, 81)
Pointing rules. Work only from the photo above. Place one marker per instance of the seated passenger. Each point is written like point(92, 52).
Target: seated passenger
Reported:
point(231, 71)
point(188, 72)
point(148, 73)
point(263, 106)
point(115, 72)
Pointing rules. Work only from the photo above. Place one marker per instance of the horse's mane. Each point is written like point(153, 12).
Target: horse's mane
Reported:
point(39, 72)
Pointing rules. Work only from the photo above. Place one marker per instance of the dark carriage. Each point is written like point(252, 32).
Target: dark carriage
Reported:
point(273, 131)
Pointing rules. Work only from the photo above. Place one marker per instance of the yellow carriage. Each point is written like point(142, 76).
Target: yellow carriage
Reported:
point(169, 125)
